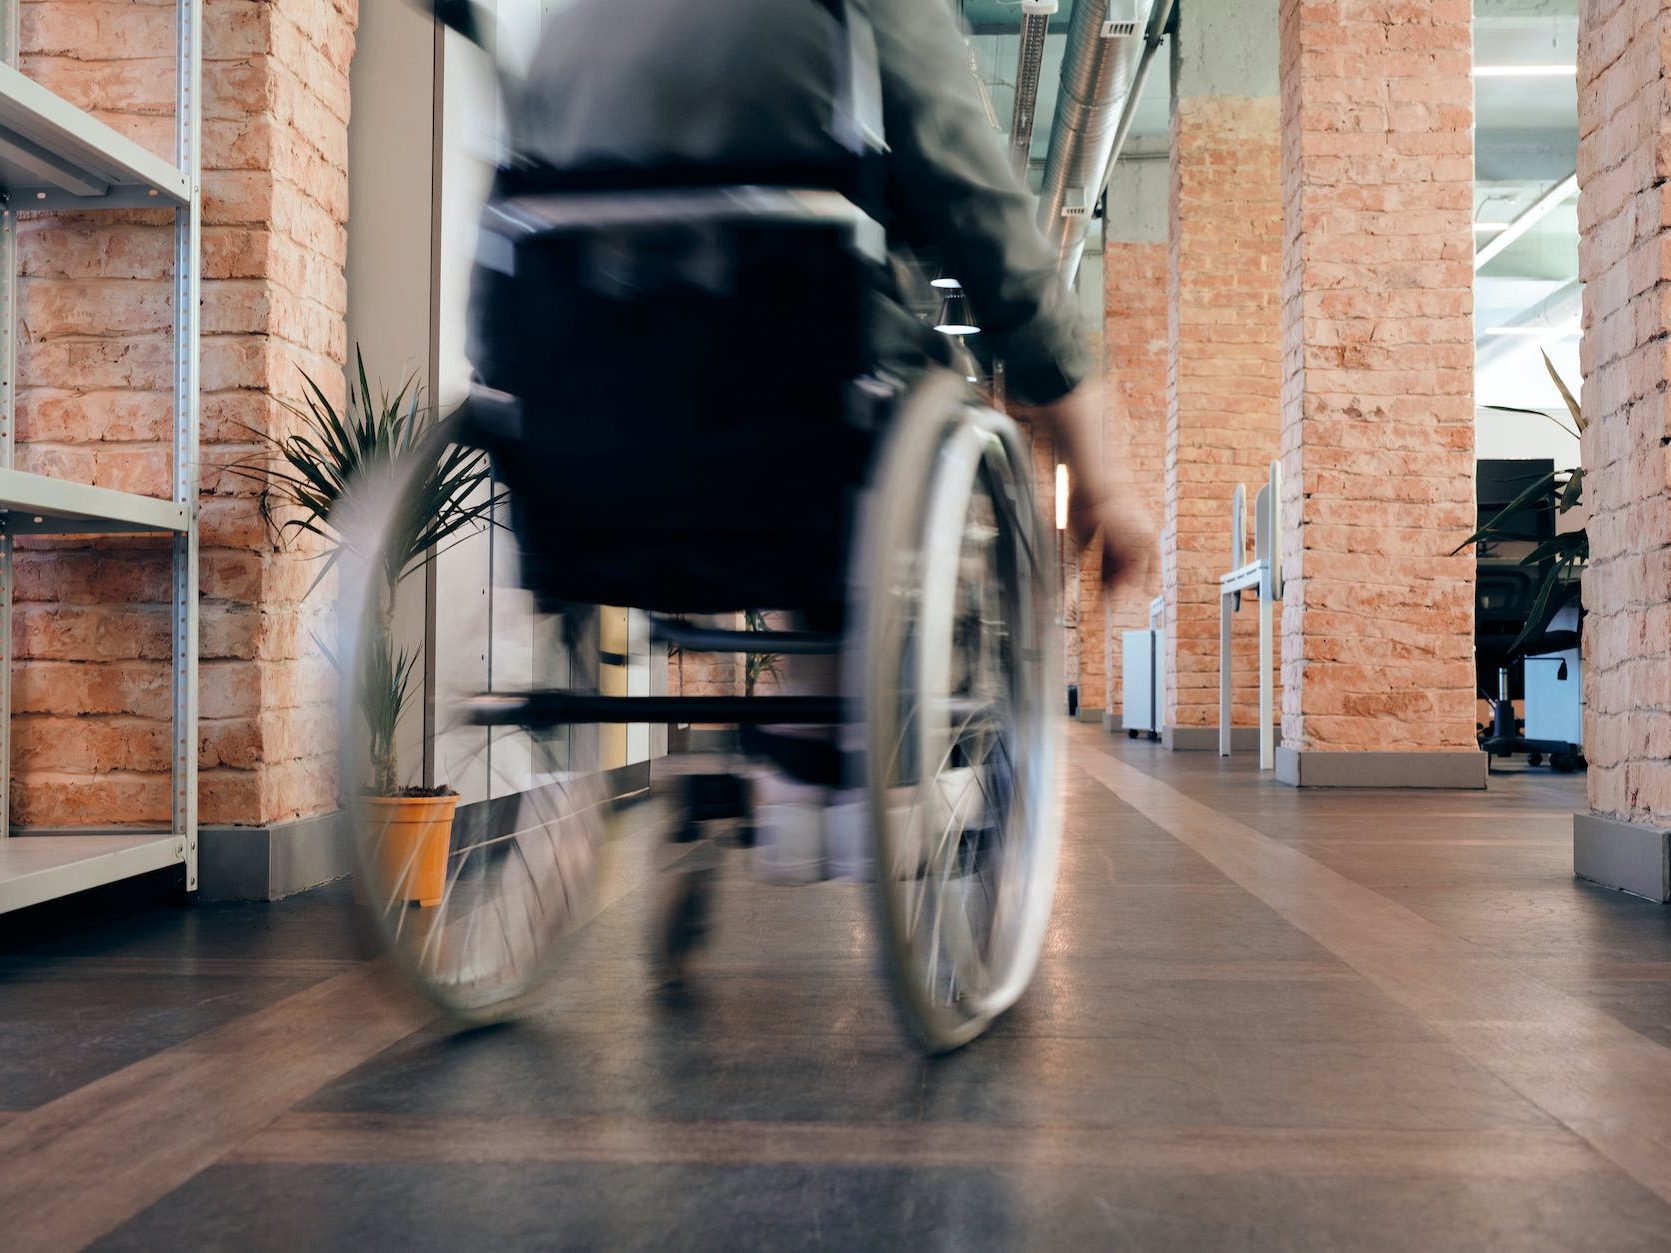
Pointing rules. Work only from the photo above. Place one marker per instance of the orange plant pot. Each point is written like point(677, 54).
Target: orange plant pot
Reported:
point(411, 836)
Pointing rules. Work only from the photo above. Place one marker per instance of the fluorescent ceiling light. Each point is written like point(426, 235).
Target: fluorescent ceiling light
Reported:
point(1535, 332)
point(1525, 71)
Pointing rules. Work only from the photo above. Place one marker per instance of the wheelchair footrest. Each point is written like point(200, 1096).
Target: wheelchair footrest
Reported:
point(705, 640)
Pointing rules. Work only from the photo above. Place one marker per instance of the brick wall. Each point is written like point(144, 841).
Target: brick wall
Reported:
point(1223, 380)
point(1623, 165)
point(1134, 326)
point(94, 404)
point(707, 674)
point(1378, 416)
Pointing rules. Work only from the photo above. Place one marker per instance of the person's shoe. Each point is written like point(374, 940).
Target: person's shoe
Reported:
point(848, 846)
point(788, 829)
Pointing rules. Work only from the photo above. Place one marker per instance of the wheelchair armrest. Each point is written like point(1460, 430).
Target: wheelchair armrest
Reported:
point(489, 419)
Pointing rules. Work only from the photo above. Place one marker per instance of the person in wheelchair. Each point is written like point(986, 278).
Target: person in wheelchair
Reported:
point(701, 385)
point(669, 93)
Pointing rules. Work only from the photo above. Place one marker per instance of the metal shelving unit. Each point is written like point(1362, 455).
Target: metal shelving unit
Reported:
point(55, 156)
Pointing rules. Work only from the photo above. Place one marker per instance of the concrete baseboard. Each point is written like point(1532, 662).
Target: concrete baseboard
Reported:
point(1624, 855)
point(272, 862)
point(1087, 714)
point(1458, 771)
point(1205, 739)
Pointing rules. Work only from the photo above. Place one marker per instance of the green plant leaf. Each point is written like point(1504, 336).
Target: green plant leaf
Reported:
point(758, 665)
point(1560, 385)
point(1573, 492)
point(1534, 413)
point(1569, 545)
point(306, 473)
point(1492, 530)
point(1553, 594)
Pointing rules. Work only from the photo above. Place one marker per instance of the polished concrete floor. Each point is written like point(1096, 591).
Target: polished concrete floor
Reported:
point(1265, 1019)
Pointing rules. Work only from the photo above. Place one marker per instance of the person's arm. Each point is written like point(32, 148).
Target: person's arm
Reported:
point(1099, 499)
point(954, 173)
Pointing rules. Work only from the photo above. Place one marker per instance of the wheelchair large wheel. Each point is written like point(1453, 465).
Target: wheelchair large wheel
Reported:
point(960, 754)
point(473, 908)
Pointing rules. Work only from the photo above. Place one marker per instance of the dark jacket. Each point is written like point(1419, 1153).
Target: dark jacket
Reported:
point(750, 83)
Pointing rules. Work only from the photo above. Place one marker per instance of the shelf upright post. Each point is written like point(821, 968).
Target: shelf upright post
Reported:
point(188, 156)
point(8, 402)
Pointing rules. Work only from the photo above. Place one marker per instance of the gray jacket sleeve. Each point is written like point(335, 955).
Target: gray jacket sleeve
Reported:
point(955, 176)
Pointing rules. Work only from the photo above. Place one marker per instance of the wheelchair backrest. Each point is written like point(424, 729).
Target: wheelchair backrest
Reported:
point(713, 302)
point(676, 375)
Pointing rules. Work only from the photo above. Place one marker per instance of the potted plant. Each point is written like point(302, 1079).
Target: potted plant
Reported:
point(304, 476)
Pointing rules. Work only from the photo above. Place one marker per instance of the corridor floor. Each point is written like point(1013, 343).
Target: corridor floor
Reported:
point(1265, 1019)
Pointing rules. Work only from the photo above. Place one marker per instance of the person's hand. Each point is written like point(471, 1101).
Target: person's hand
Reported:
point(1098, 504)
point(1125, 537)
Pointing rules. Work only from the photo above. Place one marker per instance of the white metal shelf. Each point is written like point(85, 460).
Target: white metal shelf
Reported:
point(56, 156)
point(35, 504)
point(36, 868)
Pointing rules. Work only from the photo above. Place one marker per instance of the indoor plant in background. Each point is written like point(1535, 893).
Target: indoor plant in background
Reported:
point(303, 476)
point(1560, 560)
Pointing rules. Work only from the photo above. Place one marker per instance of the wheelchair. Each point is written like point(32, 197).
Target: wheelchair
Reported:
point(899, 520)
point(678, 410)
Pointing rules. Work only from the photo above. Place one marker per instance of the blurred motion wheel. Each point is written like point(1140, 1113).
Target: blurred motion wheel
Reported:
point(960, 745)
point(520, 865)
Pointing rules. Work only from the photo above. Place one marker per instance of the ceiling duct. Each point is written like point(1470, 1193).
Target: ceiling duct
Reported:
point(1109, 43)
point(1035, 24)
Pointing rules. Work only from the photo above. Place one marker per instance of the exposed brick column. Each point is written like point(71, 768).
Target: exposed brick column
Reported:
point(1378, 406)
point(95, 404)
point(1135, 330)
point(1085, 649)
point(1224, 382)
point(1624, 162)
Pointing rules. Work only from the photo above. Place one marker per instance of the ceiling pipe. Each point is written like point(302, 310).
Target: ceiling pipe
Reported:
point(1110, 43)
point(1160, 19)
point(1035, 24)
point(1547, 203)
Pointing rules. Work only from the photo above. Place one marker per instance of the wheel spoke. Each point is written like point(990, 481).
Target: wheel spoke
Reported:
point(958, 668)
point(507, 896)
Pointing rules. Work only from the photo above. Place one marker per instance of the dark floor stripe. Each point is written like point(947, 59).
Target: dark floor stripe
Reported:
point(81, 1165)
point(334, 1138)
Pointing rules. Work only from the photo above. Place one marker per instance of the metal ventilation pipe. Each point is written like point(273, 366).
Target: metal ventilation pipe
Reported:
point(1106, 44)
point(1035, 24)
